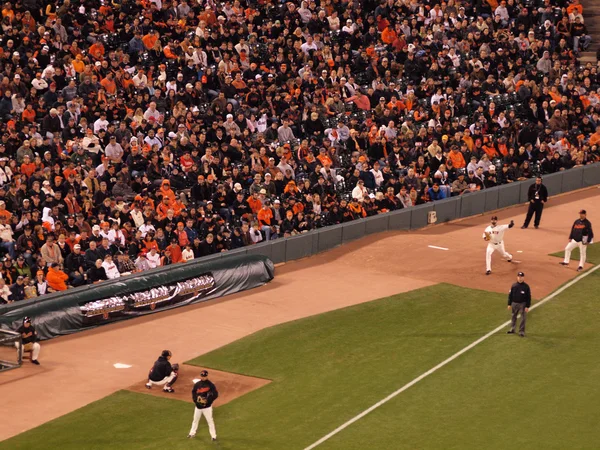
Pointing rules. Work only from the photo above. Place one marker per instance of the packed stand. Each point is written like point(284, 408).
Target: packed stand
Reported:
point(142, 134)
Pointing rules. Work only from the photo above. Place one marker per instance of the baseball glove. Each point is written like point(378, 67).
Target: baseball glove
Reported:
point(175, 367)
point(488, 236)
point(28, 347)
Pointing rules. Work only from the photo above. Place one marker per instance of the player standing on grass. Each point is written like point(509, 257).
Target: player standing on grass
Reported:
point(519, 301)
point(581, 235)
point(494, 236)
point(204, 393)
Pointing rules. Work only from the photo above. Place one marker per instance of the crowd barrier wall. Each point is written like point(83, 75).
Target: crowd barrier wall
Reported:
point(244, 268)
point(323, 239)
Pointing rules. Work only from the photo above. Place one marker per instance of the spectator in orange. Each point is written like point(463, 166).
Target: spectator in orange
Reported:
point(182, 236)
point(457, 158)
point(4, 213)
point(265, 218)
point(97, 50)
point(150, 39)
point(176, 254)
point(165, 191)
point(109, 84)
point(360, 100)
point(56, 278)
point(388, 36)
point(467, 139)
point(163, 208)
point(254, 203)
point(28, 166)
point(29, 114)
point(324, 158)
point(595, 138)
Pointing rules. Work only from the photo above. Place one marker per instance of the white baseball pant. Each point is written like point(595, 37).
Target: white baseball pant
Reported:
point(165, 381)
point(582, 251)
point(208, 414)
point(35, 352)
point(491, 248)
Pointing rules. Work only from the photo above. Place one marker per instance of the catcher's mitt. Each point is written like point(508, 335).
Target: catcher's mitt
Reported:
point(175, 367)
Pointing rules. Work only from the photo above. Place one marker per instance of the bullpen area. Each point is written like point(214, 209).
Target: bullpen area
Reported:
point(299, 361)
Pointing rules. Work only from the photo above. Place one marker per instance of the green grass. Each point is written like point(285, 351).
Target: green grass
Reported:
point(592, 255)
point(533, 393)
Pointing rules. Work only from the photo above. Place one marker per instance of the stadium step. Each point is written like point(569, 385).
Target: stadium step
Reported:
point(586, 57)
point(591, 12)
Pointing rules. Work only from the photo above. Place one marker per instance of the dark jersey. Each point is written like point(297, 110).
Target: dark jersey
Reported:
point(581, 229)
point(520, 293)
point(537, 193)
point(161, 369)
point(204, 390)
point(28, 334)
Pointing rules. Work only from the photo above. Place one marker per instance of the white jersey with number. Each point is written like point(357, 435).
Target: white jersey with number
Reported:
point(496, 233)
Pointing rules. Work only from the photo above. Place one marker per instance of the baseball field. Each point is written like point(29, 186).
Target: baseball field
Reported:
point(331, 352)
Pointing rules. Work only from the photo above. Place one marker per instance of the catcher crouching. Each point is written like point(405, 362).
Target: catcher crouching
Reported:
point(163, 373)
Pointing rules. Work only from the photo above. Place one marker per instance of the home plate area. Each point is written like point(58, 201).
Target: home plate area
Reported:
point(230, 385)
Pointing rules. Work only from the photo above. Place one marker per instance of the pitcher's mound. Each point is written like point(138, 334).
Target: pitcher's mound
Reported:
point(229, 385)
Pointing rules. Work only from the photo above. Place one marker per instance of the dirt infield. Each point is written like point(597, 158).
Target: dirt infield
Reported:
point(77, 370)
point(230, 385)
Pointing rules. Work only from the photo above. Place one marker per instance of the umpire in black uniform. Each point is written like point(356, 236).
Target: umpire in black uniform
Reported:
point(519, 300)
point(537, 195)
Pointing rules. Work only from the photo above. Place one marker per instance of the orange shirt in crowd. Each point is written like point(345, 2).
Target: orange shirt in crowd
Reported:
point(265, 216)
point(255, 204)
point(109, 86)
point(28, 169)
point(149, 40)
point(458, 160)
point(57, 279)
point(595, 138)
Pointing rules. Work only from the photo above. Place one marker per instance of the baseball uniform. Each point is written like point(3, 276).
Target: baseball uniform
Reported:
point(581, 235)
point(496, 243)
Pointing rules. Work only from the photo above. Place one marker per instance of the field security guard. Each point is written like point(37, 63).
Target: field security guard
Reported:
point(494, 236)
point(519, 300)
point(204, 393)
point(537, 195)
point(581, 235)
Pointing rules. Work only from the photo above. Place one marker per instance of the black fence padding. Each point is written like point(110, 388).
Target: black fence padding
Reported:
point(59, 315)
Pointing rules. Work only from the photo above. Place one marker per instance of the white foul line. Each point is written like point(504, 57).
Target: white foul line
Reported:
point(443, 363)
point(436, 247)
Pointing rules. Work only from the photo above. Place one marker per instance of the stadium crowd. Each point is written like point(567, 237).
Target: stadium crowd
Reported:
point(143, 133)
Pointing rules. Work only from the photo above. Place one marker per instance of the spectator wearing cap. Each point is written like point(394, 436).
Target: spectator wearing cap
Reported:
point(75, 266)
point(6, 235)
point(22, 268)
point(51, 252)
point(17, 290)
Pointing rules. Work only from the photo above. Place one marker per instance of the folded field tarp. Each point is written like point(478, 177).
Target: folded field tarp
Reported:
point(156, 290)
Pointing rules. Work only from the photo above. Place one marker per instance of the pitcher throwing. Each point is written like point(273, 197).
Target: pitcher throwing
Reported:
point(494, 236)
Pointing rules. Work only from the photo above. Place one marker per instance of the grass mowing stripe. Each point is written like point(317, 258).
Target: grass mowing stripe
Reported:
point(443, 363)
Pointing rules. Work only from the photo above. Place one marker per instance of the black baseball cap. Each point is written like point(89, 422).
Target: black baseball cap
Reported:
point(204, 373)
point(494, 218)
point(583, 211)
point(521, 274)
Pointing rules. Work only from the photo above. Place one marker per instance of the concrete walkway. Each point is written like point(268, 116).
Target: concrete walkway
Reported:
point(591, 15)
